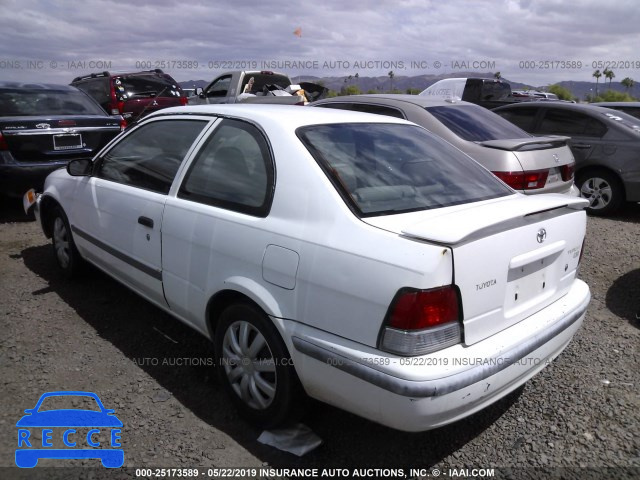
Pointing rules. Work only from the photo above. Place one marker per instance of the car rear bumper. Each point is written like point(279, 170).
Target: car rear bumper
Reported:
point(421, 393)
point(17, 178)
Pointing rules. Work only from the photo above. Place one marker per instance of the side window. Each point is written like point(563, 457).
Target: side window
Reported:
point(234, 170)
point(150, 156)
point(567, 122)
point(220, 87)
point(521, 117)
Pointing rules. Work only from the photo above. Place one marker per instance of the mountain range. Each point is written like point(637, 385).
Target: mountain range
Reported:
point(419, 82)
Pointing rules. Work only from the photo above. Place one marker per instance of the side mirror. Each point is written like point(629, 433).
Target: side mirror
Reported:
point(80, 168)
point(198, 92)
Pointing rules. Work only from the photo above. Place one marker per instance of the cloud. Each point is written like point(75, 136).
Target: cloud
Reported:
point(129, 37)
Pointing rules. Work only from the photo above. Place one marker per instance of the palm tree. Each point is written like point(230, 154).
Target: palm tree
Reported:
point(608, 74)
point(597, 74)
point(497, 75)
point(627, 83)
point(356, 76)
point(391, 75)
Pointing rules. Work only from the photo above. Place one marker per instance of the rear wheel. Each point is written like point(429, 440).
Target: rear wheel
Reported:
point(603, 190)
point(255, 367)
point(64, 249)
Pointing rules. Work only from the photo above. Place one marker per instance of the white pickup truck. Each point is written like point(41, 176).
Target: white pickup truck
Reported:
point(256, 87)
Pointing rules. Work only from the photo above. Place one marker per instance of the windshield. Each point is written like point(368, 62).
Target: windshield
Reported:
point(495, 90)
point(382, 169)
point(32, 103)
point(146, 86)
point(624, 119)
point(476, 124)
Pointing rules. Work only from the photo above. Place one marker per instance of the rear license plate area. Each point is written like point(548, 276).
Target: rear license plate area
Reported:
point(67, 141)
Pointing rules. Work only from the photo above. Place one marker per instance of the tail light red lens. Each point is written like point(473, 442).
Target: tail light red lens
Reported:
point(184, 101)
point(422, 321)
point(123, 124)
point(568, 171)
point(417, 310)
point(3, 143)
point(67, 123)
point(529, 180)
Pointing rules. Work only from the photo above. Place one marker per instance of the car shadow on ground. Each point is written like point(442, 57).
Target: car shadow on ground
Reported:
point(623, 297)
point(11, 211)
point(140, 330)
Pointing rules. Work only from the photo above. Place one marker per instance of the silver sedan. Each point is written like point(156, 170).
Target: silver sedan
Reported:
point(526, 163)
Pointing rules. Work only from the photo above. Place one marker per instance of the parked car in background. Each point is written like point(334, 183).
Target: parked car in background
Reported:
point(132, 95)
point(42, 127)
point(630, 108)
point(377, 249)
point(545, 95)
point(486, 92)
point(526, 163)
point(605, 144)
point(249, 86)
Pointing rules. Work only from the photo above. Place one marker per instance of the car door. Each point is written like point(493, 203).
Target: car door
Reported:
point(585, 131)
point(213, 228)
point(118, 210)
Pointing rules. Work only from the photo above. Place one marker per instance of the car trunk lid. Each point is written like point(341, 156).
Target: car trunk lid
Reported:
point(57, 137)
point(551, 154)
point(512, 257)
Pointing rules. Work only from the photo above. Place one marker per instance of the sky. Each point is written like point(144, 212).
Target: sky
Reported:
point(533, 42)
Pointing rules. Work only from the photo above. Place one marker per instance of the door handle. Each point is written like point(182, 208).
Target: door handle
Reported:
point(146, 221)
point(581, 145)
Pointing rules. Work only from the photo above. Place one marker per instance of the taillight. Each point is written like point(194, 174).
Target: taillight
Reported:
point(529, 180)
point(66, 123)
point(3, 143)
point(422, 321)
point(184, 101)
point(123, 124)
point(567, 171)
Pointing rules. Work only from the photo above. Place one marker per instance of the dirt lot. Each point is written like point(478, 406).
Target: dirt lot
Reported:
point(579, 418)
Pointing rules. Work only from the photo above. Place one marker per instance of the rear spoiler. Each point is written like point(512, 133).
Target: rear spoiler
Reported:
point(521, 144)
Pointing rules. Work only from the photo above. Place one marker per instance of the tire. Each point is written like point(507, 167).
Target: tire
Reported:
point(64, 249)
point(603, 189)
point(255, 368)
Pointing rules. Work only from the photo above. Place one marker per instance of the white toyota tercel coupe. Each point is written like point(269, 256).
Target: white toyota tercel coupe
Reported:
point(356, 258)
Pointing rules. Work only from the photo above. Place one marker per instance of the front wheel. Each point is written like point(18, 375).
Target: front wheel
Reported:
point(64, 249)
point(603, 190)
point(255, 367)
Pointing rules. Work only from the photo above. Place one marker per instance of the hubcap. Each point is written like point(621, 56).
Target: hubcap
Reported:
point(61, 242)
point(598, 192)
point(249, 365)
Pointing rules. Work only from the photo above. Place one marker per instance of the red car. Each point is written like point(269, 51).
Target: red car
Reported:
point(132, 95)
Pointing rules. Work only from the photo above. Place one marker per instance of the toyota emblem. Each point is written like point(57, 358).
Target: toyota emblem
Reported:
point(542, 235)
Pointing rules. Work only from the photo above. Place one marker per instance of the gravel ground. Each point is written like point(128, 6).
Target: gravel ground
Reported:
point(579, 418)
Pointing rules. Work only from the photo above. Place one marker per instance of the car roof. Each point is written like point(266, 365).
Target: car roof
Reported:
point(290, 116)
point(617, 104)
point(580, 107)
point(395, 98)
point(36, 86)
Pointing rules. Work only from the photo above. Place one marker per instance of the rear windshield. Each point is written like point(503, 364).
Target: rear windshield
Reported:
point(260, 80)
point(146, 86)
point(476, 124)
point(32, 103)
point(382, 169)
